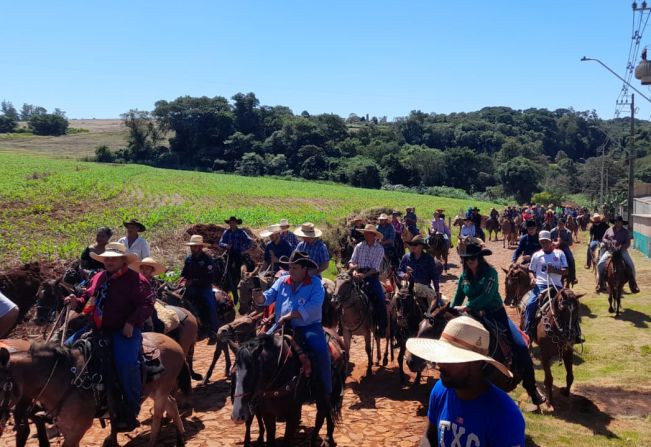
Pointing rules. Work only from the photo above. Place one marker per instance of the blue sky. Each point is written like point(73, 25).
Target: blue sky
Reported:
point(100, 59)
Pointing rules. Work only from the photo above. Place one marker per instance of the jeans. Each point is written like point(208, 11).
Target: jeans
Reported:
point(601, 265)
point(126, 357)
point(531, 309)
point(591, 248)
point(317, 344)
point(379, 303)
point(205, 298)
point(571, 264)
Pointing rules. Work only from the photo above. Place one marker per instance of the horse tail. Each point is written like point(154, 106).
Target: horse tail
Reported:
point(337, 396)
point(184, 380)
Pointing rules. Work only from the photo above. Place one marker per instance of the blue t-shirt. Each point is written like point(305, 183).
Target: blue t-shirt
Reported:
point(491, 420)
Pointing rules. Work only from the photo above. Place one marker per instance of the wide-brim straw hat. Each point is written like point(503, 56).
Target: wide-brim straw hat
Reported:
point(150, 262)
point(284, 223)
point(115, 250)
point(233, 219)
point(196, 239)
point(463, 340)
point(596, 217)
point(417, 240)
point(308, 230)
point(271, 229)
point(383, 217)
point(297, 257)
point(140, 226)
point(370, 228)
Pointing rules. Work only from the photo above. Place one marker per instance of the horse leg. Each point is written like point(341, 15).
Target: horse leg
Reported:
point(227, 361)
point(618, 300)
point(291, 426)
point(417, 379)
point(258, 417)
point(270, 425)
point(173, 410)
point(160, 402)
point(367, 348)
point(190, 359)
point(219, 346)
point(111, 440)
point(568, 357)
point(247, 431)
point(385, 358)
point(347, 336)
point(545, 359)
point(401, 358)
point(320, 418)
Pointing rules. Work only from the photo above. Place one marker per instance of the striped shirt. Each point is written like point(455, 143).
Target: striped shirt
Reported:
point(365, 256)
point(237, 239)
point(291, 238)
point(468, 230)
point(318, 252)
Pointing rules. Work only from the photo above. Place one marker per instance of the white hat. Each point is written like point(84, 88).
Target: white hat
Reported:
point(115, 250)
point(271, 229)
point(308, 230)
point(383, 217)
point(545, 235)
point(463, 340)
point(151, 262)
point(283, 223)
point(196, 239)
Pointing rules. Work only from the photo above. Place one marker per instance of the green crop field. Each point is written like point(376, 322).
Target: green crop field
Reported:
point(50, 208)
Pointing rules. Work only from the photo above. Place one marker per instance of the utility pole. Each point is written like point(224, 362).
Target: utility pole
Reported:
point(631, 166)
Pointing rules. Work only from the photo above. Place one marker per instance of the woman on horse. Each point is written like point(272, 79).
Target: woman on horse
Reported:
point(101, 239)
point(479, 283)
point(298, 299)
point(468, 228)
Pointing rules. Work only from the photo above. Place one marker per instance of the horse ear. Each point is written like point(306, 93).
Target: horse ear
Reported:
point(579, 295)
point(505, 270)
point(4, 358)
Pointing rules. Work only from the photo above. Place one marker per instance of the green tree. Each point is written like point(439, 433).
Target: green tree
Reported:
point(251, 164)
point(103, 154)
point(9, 110)
point(7, 124)
point(143, 137)
point(315, 167)
point(48, 124)
point(520, 177)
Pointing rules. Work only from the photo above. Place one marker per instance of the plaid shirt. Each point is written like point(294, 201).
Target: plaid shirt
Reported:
point(238, 240)
point(318, 252)
point(368, 257)
point(291, 238)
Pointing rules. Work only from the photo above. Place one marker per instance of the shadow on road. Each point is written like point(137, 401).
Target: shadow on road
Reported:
point(639, 319)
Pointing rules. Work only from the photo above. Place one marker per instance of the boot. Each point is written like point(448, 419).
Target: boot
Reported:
point(601, 286)
point(537, 398)
point(632, 283)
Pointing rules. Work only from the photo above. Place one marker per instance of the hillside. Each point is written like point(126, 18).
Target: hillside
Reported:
point(52, 207)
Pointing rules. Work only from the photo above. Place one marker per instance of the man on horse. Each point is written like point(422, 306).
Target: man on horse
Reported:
point(366, 264)
point(313, 246)
point(355, 235)
point(119, 301)
point(475, 217)
point(467, 229)
point(597, 232)
point(388, 237)
point(421, 268)
point(617, 237)
point(287, 235)
point(133, 241)
point(198, 271)
point(464, 408)
point(528, 244)
point(298, 299)
point(411, 220)
point(494, 214)
point(562, 237)
point(439, 226)
point(236, 242)
point(275, 248)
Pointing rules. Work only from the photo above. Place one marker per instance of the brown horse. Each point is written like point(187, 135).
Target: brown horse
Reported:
point(45, 373)
point(573, 226)
point(617, 275)
point(20, 286)
point(555, 333)
point(355, 317)
point(583, 220)
point(492, 226)
point(439, 248)
point(516, 284)
point(509, 231)
point(251, 281)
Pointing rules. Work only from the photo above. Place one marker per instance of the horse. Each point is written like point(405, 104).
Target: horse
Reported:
point(20, 285)
point(617, 274)
point(249, 282)
point(583, 220)
point(439, 248)
point(270, 382)
point(463, 243)
point(573, 226)
point(555, 334)
point(492, 225)
point(405, 314)
point(355, 317)
point(516, 284)
point(458, 221)
point(45, 373)
point(509, 231)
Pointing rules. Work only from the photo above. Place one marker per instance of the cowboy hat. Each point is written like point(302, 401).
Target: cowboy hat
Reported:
point(596, 217)
point(196, 239)
point(151, 262)
point(284, 223)
point(474, 249)
point(417, 240)
point(298, 257)
point(233, 219)
point(396, 213)
point(140, 226)
point(531, 224)
point(620, 219)
point(308, 230)
point(440, 210)
point(115, 250)
point(544, 236)
point(271, 229)
point(476, 209)
point(357, 219)
point(410, 208)
point(383, 217)
point(463, 340)
point(370, 228)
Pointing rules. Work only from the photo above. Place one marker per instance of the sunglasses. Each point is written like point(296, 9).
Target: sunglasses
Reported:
point(472, 258)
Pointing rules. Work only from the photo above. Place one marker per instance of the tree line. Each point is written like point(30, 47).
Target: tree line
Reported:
point(39, 121)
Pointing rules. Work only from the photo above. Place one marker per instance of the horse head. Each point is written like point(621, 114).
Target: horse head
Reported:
point(516, 283)
point(431, 326)
point(344, 284)
point(9, 392)
point(49, 300)
point(239, 330)
point(566, 309)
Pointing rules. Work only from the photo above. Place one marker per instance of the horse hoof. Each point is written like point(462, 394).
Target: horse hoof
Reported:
point(196, 376)
point(611, 310)
point(385, 361)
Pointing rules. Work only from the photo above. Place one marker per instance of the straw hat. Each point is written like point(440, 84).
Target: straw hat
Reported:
point(463, 340)
point(271, 229)
point(383, 217)
point(417, 240)
point(151, 262)
point(308, 230)
point(370, 228)
point(140, 226)
point(298, 257)
point(284, 223)
point(115, 250)
point(596, 217)
point(196, 239)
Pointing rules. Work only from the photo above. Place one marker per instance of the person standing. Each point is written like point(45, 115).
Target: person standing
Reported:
point(133, 241)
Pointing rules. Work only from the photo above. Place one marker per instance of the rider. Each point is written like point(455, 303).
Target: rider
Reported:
point(479, 283)
point(411, 220)
point(119, 301)
point(102, 238)
point(528, 244)
point(198, 272)
point(562, 237)
point(275, 248)
point(494, 214)
point(423, 269)
point(287, 235)
point(467, 229)
point(150, 269)
point(298, 299)
point(388, 236)
point(476, 220)
point(237, 242)
point(313, 246)
point(597, 231)
point(366, 263)
point(355, 235)
point(619, 237)
point(438, 226)
point(133, 241)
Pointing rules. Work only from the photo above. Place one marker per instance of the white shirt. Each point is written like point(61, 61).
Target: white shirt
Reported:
point(139, 246)
point(5, 305)
point(540, 261)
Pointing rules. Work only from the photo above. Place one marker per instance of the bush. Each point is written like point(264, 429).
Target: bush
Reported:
point(48, 124)
point(446, 191)
point(76, 130)
point(7, 124)
point(104, 155)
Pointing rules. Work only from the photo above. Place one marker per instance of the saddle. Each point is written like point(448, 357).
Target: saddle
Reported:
point(499, 339)
point(168, 317)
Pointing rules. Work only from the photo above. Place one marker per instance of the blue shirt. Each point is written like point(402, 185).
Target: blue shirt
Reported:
point(307, 299)
point(237, 239)
point(318, 252)
point(491, 420)
point(424, 269)
point(283, 248)
point(527, 246)
point(388, 233)
point(467, 231)
point(291, 238)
